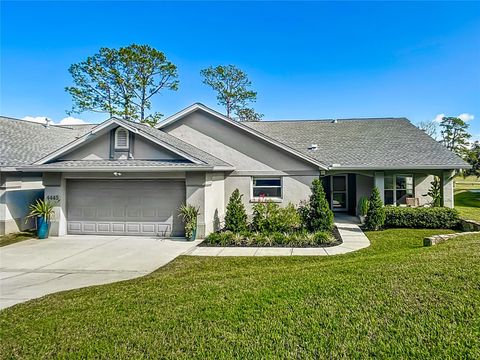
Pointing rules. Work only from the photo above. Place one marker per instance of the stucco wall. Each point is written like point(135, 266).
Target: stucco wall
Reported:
point(364, 187)
point(234, 145)
point(99, 149)
point(295, 189)
point(422, 185)
point(17, 192)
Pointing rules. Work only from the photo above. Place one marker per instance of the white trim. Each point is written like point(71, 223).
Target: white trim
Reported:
point(101, 127)
point(346, 193)
point(127, 139)
point(260, 199)
point(198, 106)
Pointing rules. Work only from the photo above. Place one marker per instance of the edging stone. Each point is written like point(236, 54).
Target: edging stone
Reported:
point(437, 239)
point(470, 225)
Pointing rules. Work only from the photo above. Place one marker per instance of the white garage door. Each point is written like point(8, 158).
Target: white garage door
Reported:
point(125, 207)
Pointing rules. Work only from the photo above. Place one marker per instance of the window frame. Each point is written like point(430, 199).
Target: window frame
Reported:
point(395, 189)
point(266, 198)
point(121, 147)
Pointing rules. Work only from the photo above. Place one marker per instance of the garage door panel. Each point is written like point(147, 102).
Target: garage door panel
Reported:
point(125, 207)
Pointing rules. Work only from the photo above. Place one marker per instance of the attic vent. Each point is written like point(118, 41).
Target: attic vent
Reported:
point(313, 147)
point(121, 138)
point(334, 121)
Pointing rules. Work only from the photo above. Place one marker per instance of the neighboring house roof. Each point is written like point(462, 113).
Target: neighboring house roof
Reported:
point(383, 143)
point(123, 165)
point(23, 142)
point(265, 137)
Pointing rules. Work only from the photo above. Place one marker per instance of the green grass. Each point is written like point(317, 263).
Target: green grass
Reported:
point(395, 299)
point(15, 237)
point(468, 204)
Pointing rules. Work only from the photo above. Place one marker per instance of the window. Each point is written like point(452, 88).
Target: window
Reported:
point(267, 188)
point(397, 189)
point(121, 138)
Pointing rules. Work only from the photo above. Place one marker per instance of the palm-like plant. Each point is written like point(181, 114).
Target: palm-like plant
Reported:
point(189, 215)
point(41, 208)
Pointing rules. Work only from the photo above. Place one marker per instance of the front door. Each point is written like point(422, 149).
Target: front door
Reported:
point(339, 193)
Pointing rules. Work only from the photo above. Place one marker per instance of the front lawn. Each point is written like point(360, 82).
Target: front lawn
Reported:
point(468, 204)
point(395, 299)
point(15, 237)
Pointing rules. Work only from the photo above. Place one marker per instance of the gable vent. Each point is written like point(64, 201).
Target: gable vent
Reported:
point(121, 139)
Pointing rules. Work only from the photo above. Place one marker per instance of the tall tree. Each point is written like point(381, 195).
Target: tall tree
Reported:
point(454, 134)
point(473, 158)
point(430, 128)
point(122, 82)
point(233, 88)
point(248, 114)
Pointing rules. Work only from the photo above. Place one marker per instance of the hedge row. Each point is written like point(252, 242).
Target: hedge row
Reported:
point(421, 218)
point(298, 239)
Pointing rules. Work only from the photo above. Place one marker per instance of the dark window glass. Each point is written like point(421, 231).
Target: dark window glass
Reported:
point(388, 197)
point(339, 200)
point(267, 182)
point(388, 182)
point(275, 192)
point(339, 183)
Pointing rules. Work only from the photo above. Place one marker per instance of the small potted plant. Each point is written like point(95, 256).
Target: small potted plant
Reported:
point(189, 215)
point(42, 211)
point(363, 205)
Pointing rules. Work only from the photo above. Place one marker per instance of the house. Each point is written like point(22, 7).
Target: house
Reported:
point(124, 178)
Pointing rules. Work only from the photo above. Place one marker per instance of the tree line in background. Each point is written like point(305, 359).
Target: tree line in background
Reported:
point(454, 136)
point(122, 82)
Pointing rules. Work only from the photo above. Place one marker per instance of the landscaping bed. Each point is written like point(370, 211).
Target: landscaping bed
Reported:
point(276, 239)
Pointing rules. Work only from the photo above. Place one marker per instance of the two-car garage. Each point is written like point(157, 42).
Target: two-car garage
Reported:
point(125, 207)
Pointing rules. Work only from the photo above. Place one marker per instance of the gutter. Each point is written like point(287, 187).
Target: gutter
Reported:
point(125, 169)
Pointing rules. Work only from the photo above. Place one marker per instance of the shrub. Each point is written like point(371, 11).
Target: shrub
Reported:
point(322, 237)
point(316, 214)
point(435, 192)
point(363, 205)
point(421, 218)
point(376, 212)
point(236, 216)
point(270, 217)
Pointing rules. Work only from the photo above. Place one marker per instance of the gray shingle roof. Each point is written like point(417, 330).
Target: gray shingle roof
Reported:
point(375, 143)
point(117, 164)
point(23, 142)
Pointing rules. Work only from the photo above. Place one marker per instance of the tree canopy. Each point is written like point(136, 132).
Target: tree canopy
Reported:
point(454, 134)
point(122, 82)
point(233, 91)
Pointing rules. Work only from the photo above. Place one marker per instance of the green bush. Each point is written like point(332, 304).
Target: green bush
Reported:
point(269, 217)
point(316, 214)
point(236, 216)
point(376, 212)
point(421, 218)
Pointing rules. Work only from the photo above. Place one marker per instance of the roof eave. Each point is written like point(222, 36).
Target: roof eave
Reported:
point(403, 167)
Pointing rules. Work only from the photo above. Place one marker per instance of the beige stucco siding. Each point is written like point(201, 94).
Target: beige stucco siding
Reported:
point(17, 192)
point(99, 149)
point(235, 146)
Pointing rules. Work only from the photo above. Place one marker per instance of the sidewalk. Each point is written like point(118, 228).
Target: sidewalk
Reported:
point(352, 236)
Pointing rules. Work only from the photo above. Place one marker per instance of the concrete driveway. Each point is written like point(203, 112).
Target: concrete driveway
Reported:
point(34, 268)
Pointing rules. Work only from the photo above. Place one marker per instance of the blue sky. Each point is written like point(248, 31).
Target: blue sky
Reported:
point(306, 60)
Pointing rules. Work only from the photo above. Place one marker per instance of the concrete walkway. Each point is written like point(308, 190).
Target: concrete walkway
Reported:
point(34, 268)
point(352, 236)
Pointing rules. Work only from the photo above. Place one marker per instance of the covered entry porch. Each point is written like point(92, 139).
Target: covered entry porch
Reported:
point(345, 188)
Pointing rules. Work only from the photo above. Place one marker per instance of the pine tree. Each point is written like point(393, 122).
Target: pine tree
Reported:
point(376, 213)
point(319, 215)
point(236, 216)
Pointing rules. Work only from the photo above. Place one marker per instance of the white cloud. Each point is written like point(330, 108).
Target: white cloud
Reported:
point(37, 119)
point(466, 116)
point(70, 120)
point(439, 117)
